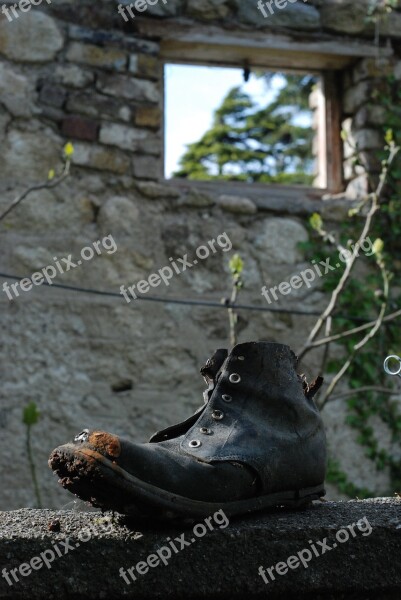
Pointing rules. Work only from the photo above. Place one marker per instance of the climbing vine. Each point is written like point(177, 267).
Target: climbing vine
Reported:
point(361, 298)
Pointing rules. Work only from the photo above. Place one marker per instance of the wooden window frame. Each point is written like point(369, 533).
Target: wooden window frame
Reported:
point(324, 55)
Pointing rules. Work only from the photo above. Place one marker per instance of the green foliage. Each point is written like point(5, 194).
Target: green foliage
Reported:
point(236, 264)
point(249, 143)
point(336, 476)
point(30, 414)
point(316, 222)
point(377, 9)
point(362, 298)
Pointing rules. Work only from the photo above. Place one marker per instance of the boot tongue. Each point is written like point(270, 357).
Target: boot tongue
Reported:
point(211, 369)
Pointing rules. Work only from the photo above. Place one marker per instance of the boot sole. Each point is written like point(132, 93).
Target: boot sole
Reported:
point(94, 478)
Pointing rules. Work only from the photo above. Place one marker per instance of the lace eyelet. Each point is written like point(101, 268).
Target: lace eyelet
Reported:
point(217, 415)
point(234, 378)
point(205, 431)
point(194, 444)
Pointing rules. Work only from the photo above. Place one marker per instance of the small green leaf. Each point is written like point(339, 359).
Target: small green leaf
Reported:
point(378, 246)
point(236, 264)
point(51, 174)
point(389, 137)
point(316, 222)
point(30, 414)
point(68, 150)
point(353, 211)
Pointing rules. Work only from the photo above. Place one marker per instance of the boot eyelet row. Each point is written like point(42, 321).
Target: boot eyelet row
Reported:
point(226, 398)
point(205, 431)
point(217, 415)
point(234, 378)
point(194, 444)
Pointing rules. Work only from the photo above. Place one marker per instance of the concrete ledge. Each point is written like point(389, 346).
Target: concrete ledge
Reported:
point(221, 564)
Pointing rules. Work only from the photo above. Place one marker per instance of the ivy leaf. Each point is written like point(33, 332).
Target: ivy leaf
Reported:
point(30, 414)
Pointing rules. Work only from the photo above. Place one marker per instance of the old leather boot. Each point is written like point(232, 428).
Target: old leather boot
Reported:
point(258, 442)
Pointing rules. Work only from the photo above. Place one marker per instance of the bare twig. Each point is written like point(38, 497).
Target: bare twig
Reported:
point(329, 323)
point(365, 390)
point(364, 340)
point(233, 317)
point(349, 332)
point(375, 201)
point(50, 183)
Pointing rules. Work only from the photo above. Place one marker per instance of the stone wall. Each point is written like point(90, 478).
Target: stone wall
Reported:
point(72, 71)
point(353, 547)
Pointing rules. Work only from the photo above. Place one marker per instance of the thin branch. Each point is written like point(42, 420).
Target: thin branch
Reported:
point(50, 183)
point(364, 340)
point(349, 332)
point(364, 390)
point(329, 323)
point(32, 468)
point(375, 197)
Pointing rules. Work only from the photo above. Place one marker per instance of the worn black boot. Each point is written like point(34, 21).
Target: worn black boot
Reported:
point(258, 442)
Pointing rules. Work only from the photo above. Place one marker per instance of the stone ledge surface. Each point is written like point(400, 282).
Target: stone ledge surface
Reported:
point(221, 565)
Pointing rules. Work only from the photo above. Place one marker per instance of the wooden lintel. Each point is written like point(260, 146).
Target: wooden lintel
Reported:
point(233, 56)
point(186, 34)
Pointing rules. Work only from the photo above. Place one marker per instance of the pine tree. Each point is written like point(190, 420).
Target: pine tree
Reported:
point(249, 143)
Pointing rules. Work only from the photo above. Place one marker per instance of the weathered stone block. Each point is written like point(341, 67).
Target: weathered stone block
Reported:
point(121, 136)
point(14, 91)
point(369, 68)
point(148, 116)
point(278, 239)
point(369, 114)
point(35, 151)
point(162, 8)
point(53, 95)
point(79, 128)
point(98, 36)
point(397, 70)
point(32, 38)
point(157, 190)
point(128, 87)
point(97, 105)
point(206, 10)
point(99, 157)
point(107, 58)
point(74, 76)
point(236, 204)
point(119, 214)
point(351, 169)
point(369, 139)
point(371, 162)
point(356, 96)
point(144, 167)
point(196, 198)
point(390, 25)
point(358, 188)
point(296, 16)
point(145, 66)
point(345, 16)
